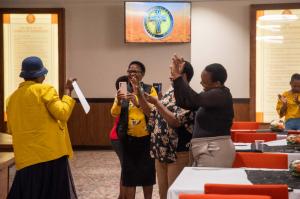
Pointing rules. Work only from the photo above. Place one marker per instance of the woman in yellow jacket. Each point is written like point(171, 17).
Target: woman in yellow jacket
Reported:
point(37, 119)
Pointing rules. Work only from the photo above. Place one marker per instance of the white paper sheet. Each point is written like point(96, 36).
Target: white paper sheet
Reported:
point(242, 146)
point(276, 143)
point(84, 103)
point(281, 137)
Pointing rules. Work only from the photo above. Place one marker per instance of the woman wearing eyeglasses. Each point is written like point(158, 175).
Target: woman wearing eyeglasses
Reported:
point(137, 167)
point(171, 131)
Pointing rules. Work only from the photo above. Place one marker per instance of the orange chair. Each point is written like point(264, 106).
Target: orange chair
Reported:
point(251, 137)
point(221, 196)
point(235, 131)
point(276, 191)
point(251, 126)
point(295, 132)
point(261, 160)
point(245, 125)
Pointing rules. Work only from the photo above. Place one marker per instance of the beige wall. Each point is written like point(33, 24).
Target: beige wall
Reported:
point(95, 50)
point(97, 55)
point(221, 33)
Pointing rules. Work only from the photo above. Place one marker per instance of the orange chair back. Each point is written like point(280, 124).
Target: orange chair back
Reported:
point(235, 131)
point(276, 191)
point(251, 137)
point(245, 125)
point(295, 132)
point(221, 196)
point(261, 160)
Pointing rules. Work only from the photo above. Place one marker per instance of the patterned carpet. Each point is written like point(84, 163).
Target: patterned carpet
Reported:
point(97, 174)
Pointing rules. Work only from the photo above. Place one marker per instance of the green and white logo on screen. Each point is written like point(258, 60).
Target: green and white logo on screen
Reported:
point(158, 22)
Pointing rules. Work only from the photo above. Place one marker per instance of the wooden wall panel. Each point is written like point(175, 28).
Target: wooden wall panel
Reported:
point(241, 109)
point(93, 129)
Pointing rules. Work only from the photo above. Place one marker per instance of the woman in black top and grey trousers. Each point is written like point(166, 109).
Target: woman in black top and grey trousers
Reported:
point(211, 143)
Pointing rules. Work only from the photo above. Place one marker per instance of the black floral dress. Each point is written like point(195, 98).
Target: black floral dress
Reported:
point(164, 139)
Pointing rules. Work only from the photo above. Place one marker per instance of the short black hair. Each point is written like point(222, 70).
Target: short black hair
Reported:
point(218, 72)
point(29, 79)
point(123, 78)
point(140, 64)
point(295, 76)
point(188, 70)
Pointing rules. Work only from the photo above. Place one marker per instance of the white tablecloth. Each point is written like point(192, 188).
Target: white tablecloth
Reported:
point(192, 180)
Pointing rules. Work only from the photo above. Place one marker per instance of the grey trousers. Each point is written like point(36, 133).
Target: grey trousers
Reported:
point(212, 152)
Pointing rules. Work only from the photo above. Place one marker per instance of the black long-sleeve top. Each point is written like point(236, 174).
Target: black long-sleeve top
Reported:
point(214, 108)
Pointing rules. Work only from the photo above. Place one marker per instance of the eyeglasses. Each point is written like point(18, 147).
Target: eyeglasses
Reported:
point(133, 71)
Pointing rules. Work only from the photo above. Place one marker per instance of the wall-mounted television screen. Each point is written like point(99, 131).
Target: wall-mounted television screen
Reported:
point(149, 22)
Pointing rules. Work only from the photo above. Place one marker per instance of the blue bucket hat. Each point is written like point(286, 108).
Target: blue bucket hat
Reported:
point(32, 67)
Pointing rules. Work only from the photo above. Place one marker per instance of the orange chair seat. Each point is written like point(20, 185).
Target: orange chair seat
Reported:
point(221, 196)
point(276, 191)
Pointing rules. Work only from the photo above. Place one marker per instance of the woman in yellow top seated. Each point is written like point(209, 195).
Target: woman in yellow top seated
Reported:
point(37, 119)
point(137, 167)
point(288, 104)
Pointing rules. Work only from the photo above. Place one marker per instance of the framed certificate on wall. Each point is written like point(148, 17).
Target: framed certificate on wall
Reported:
point(30, 32)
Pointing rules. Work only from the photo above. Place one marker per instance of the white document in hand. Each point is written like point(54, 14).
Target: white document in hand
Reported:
point(84, 103)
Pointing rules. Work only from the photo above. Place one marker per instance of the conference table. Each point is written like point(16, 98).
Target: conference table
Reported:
point(6, 161)
point(5, 142)
point(192, 179)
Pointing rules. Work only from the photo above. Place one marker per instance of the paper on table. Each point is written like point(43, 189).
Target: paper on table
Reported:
point(276, 143)
point(84, 103)
point(242, 146)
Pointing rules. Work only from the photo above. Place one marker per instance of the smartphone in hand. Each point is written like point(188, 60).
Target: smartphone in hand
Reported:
point(123, 87)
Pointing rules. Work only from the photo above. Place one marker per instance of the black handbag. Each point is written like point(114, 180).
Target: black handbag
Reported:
point(122, 126)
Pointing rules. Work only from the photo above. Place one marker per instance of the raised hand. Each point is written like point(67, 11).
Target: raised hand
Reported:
point(150, 99)
point(135, 83)
point(176, 67)
point(296, 99)
point(282, 98)
point(121, 95)
point(69, 87)
point(131, 97)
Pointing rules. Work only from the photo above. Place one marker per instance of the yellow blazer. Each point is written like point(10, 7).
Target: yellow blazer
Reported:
point(37, 119)
point(293, 109)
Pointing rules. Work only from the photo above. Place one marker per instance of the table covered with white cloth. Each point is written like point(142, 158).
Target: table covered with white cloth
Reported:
point(192, 180)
